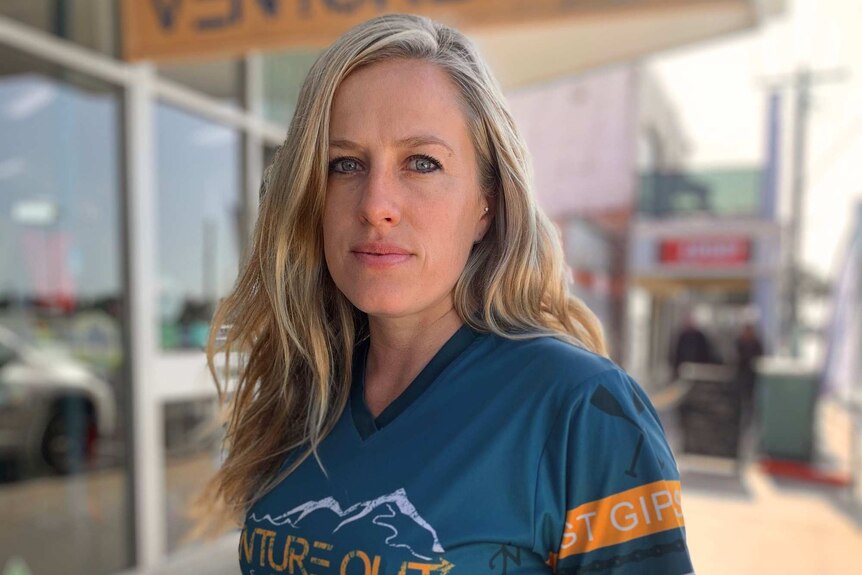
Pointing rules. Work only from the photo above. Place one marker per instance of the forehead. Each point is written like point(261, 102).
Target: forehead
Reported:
point(398, 98)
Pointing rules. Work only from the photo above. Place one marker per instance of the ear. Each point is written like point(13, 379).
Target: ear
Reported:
point(485, 220)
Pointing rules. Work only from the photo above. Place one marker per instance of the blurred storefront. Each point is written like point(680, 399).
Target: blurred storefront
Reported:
point(701, 248)
point(587, 172)
point(132, 145)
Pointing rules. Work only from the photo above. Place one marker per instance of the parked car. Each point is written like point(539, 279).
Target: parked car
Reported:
point(53, 409)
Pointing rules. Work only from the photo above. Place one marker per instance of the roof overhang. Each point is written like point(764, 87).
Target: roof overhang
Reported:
point(542, 51)
point(526, 42)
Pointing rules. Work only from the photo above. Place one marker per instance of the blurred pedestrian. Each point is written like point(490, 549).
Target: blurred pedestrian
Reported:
point(690, 345)
point(748, 349)
point(420, 390)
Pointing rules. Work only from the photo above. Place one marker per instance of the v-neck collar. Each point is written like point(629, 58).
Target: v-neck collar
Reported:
point(365, 423)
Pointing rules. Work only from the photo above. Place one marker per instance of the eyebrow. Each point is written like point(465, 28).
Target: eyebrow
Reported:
point(411, 142)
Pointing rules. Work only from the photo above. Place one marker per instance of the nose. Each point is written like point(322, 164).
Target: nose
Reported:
point(380, 205)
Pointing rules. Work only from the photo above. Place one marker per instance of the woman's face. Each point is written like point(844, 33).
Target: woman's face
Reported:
point(403, 202)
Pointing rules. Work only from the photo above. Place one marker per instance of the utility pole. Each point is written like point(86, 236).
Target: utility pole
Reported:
point(801, 82)
point(802, 106)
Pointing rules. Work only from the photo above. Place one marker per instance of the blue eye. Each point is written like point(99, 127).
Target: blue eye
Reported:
point(424, 164)
point(344, 165)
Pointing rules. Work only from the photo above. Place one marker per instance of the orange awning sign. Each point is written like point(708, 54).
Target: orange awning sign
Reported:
point(162, 29)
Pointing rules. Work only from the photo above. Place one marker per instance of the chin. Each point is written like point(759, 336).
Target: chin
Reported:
point(392, 299)
point(383, 306)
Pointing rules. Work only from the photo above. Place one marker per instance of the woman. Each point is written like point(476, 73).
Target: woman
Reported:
point(420, 393)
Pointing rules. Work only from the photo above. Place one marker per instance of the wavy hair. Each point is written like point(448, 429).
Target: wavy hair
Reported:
point(294, 332)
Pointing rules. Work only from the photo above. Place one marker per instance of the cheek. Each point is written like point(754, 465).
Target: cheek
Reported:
point(453, 241)
point(331, 232)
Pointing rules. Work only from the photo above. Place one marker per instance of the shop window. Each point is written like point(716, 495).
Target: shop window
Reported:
point(63, 392)
point(199, 222)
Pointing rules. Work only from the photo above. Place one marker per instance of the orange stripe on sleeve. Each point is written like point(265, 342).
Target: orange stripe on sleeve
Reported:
point(621, 517)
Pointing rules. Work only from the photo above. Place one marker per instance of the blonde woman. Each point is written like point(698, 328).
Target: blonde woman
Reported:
point(420, 392)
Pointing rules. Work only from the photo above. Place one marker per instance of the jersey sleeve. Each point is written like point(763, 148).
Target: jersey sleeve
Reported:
point(608, 495)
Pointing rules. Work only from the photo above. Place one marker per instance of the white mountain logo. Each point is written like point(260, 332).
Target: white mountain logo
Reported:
point(382, 511)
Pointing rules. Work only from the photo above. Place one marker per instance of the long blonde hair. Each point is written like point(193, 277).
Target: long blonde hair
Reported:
point(292, 328)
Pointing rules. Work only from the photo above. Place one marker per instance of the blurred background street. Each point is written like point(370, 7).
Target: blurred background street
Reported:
point(701, 159)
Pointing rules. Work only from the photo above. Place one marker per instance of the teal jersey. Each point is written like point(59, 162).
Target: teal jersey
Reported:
point(512, 457)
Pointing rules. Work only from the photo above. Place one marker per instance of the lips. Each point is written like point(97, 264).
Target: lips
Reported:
point(377, 254)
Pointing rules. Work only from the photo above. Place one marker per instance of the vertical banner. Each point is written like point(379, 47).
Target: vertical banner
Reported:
point(844, 338)
point(768, 207)
point(766, 288)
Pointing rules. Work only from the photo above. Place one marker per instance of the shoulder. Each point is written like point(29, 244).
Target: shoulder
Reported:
point(553, 351)
point(560, 367)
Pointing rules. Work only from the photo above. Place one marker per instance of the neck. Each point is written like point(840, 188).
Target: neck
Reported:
point(400, 348)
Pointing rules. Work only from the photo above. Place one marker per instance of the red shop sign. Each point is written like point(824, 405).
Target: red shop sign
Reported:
point(711, 251)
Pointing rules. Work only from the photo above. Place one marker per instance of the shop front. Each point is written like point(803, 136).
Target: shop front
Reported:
point(705, 271)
